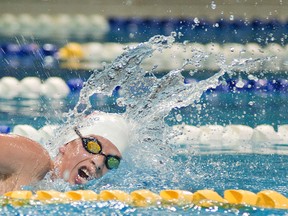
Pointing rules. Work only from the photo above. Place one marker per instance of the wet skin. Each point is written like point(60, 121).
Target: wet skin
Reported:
point(24, 162)
point(77, 166)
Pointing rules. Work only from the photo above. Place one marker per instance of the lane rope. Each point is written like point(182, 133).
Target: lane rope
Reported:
point(239, 138)
point(92, 55)
point(145, 198)
point(82, 26)
point(58, 88)
point(33, 88)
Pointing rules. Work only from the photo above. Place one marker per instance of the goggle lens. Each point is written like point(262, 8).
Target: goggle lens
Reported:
point(93, 146)
point(112, 162)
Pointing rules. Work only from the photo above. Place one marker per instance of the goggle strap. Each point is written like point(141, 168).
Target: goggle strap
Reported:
point(78, 132)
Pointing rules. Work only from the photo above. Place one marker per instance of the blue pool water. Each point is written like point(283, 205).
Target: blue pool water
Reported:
point(221, 171)
point(251, 172)
point(192, 170)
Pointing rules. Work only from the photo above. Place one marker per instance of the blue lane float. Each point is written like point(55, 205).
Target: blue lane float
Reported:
point(75, 84)
point(31, 49)
point(5, 129)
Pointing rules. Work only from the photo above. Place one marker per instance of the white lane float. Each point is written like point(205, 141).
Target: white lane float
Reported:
point(50, 26)
point(203, 56)
point(241, 137)
point(9, 87)
point(55, 87)
point(33, 88)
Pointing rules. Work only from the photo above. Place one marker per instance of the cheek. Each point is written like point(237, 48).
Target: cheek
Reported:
point(71, 159)
point(105, 170)
point(76, 153)
point(71, 165)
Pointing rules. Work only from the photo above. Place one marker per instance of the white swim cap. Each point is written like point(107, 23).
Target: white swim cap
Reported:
point(108, 125)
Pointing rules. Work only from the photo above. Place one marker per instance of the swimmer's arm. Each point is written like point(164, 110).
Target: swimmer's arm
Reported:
point(22, 159)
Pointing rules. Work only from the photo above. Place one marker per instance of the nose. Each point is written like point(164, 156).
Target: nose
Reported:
point(99, 162)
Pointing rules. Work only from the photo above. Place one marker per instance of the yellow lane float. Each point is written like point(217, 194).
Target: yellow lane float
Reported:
point(177, 197)
point(85, 195)
point(144, 198)
point(71, 51)
point(19, 194)
point(50, 195)
point(271, 199)
point(119, 195)
point(240, 197)
point(207, 198)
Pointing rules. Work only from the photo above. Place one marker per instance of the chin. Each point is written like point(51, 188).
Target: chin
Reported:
point(78, 180)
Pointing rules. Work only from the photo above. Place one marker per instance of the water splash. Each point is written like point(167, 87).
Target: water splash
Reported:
point(148, 99)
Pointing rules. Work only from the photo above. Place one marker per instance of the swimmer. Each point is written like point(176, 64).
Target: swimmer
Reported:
point(86, 153)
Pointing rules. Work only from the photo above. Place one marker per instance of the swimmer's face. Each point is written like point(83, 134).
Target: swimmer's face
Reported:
point(79, 166)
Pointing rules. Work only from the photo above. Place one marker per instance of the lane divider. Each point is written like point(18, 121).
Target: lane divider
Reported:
point(240, 138)
point(204, 56)
point(45, 26)
point(33, 88)
point(210, 55)
point(56, 87)
point(82, 26)
point(230, 134)
point(144, 198)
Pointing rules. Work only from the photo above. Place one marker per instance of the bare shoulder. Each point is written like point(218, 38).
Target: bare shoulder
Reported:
point(18, 146)
point(24, 158)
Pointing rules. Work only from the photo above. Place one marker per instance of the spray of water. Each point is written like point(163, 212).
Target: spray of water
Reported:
point(149, 162)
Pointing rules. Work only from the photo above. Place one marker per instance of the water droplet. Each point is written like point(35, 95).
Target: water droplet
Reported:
point(240, 84)
point(196, 20)
point(120, 102)
point(213, 5)
point(251, 103)
point(178, 117)
point(131, 35)
point(174, 34)
point(251, 77)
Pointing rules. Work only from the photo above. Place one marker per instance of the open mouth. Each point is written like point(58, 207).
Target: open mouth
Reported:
point(83, 172)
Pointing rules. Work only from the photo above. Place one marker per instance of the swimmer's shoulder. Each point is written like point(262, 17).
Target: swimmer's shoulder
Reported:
point(14, 140)
point(22, 161)
point(16, 143)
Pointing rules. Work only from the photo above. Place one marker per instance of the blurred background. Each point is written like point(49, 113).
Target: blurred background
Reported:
point(264, 9)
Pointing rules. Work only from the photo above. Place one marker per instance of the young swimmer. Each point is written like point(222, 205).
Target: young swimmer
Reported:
point(87, 152)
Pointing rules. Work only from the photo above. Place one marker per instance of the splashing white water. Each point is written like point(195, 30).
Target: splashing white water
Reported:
point(148, 100)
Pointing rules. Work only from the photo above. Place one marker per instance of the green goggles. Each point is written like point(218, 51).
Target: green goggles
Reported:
point(93, 146)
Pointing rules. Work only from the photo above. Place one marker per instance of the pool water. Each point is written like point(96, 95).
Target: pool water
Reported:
point(223, 107)
point(207, 168)
point(252, 172)
point(200, 169)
